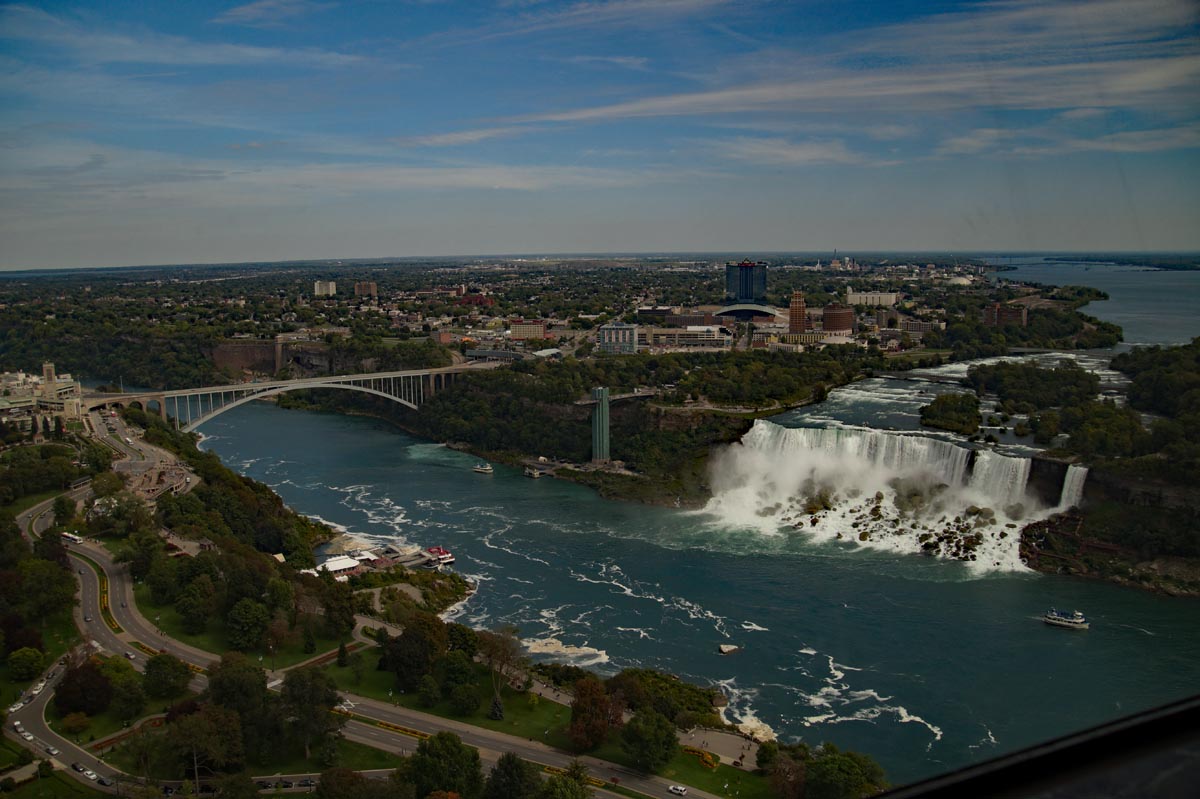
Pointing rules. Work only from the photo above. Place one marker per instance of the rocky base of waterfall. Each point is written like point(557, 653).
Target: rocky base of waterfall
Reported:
point(910, 518)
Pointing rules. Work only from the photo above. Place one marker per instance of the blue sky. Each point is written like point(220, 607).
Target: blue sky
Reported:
point(177, 132)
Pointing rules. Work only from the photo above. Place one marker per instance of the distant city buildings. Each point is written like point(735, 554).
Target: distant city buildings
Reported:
point(884, 299)
point(522, 330)
point(746, 281)
point(618, 338)
point(838, 318)
point(997, 315)
point(365, 288)
point(324, 288)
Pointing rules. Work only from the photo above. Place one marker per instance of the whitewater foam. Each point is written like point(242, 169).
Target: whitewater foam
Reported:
point(900, 493)
point(554, 649)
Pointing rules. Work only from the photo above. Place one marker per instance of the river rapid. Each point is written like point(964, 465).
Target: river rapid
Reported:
point(926, 663)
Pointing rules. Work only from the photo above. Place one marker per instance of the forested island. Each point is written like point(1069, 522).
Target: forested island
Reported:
point(1139, 521)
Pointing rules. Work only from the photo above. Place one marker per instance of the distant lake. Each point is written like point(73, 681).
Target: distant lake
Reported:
point(1153, 306)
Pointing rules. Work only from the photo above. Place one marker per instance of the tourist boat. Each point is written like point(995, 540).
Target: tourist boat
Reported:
point(728, 649)
point(532, 472)
point(443, 556)
point(482, 468)
point(1072, 621)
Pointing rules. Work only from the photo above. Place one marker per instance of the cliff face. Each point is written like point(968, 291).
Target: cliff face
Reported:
point(1102, 486)
point(1046, 478)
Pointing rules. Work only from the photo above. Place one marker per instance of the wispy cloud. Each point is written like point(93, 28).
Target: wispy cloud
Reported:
point(636, 63)
point(783, 152)
point(270, 13)
point(460, 137)
point(590, 14)
point(91, 46)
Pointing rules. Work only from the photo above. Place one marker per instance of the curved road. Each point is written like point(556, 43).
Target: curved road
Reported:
point(135, 629)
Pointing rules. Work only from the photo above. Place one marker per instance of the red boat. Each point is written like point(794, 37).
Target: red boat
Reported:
point(443, 556)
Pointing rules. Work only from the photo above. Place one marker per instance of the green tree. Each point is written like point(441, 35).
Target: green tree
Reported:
point(428, 692)
point(559, 786)
point(464, 699)
point(197, 604)
point(235, 786)
point(25, 663)
point(501, 650)
point(247, 623)
point(84, 689)
point(343, 657)
point(166, 676)
point(412, 653)
point(649, 738)
point(309, 694)
point(238, 684)
point(210, 738)
point(64, 510)
point(444, 763)
point(46, 588)
point(590, 713)
point(512, 778)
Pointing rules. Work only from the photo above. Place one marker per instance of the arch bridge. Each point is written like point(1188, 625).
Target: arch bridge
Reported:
point(189, 408)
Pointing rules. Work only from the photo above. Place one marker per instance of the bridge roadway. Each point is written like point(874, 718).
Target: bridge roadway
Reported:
point(135, 627)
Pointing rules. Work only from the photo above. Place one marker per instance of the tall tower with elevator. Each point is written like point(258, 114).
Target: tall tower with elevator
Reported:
point(600, 425)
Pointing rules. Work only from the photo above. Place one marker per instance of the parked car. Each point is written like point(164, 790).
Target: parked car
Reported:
point(263, 784)
point(678, 790)
point(87, 618)
point(105, 781)
point(78, 767)
point(307, 782)
point(17, 706)
point(91, 775)
point(50, 750)
point(130, 655)
point(285, 784)
point(27, 735)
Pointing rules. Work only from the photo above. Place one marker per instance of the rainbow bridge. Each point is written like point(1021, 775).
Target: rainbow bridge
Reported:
point(191, 407)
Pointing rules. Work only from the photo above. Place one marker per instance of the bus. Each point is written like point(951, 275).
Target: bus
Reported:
point(74, 539)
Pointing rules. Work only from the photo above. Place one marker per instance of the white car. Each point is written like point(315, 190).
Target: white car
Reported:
point(52, 751)
point(16, 707)
point(27, 735)
point(678, 790)
point(91, 775)
point(37, 689)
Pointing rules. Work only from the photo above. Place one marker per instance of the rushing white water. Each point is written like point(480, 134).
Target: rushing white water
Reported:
point(1072, 487)
point(903, 493)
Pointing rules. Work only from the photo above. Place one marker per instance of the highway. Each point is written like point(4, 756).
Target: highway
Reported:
point(136, 629)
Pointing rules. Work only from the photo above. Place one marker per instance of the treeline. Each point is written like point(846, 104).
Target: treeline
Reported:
point(956, 412)
point(1026, 387)
point(25, 471)
point(1166, 382)
point(36, 586)
point(1047, 329)
point(237, 724)
point(226, 504)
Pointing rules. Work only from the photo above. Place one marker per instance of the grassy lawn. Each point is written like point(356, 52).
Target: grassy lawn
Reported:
point(57, 786)
point(25, 503)
point(106, 723)
point(58, 635)
point(285, 760)
point(8, 753)
point(215, 640)
point(520, 718)
point(547, 722)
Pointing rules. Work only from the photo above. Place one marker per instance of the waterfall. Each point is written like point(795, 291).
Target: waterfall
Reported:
point(1072, 487)
point(999, 476)
point(902, 493)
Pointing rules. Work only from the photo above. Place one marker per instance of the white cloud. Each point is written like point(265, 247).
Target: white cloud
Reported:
point(269, 13)
point(636, 63)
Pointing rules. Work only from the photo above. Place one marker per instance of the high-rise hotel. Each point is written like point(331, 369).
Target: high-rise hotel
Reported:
point(746, 281)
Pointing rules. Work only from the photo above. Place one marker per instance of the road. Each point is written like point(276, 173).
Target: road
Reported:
point(135, 629)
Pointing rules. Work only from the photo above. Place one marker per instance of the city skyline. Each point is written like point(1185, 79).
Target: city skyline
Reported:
point(295, 129)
